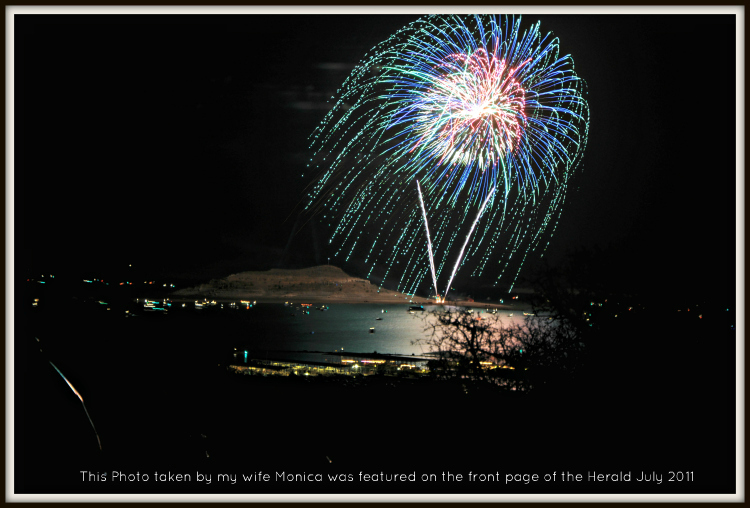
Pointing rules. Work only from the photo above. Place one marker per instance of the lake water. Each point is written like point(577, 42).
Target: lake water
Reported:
point(290, 332)
point(275, 328)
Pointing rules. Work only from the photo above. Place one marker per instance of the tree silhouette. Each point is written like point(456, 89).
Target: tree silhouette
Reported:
point(480, 347)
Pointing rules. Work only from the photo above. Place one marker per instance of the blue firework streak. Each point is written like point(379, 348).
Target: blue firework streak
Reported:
point(465, 106)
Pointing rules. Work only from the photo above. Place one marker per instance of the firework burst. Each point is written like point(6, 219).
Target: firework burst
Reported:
point(488, 117)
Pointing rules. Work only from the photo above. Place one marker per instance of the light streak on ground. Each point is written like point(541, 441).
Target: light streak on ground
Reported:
point(82, 403)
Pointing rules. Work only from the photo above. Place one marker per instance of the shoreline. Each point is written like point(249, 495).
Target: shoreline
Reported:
point(347, 300)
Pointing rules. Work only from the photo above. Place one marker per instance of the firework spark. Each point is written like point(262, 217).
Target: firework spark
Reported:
point(483, 114)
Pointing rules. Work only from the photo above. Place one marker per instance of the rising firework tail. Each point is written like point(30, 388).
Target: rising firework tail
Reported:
point(466, 242)
point(429, 243)
point(470, 107)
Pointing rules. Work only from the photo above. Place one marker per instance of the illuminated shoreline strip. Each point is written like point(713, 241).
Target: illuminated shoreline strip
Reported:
point(461, 254)
point(429, 243)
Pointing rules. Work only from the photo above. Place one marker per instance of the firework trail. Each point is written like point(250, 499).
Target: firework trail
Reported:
point(429, 243)
point(468, 237)
point(480, 111)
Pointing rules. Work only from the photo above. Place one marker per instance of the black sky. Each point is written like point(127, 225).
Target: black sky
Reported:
point(179, 143)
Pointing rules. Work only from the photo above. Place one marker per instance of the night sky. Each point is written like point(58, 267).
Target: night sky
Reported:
point(178, 143)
